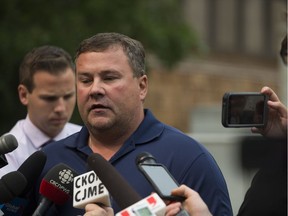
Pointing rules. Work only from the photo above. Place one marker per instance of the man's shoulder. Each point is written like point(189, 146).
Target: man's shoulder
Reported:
point(70, 141)
point(172, 132)
point(18, 131)
point(71, 128)
point(18, 127)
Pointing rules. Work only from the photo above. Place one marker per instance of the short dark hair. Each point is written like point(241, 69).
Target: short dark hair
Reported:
point(133, 49)
point(48, 58)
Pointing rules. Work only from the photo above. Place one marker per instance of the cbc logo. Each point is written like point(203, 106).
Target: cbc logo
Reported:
point(66, 176)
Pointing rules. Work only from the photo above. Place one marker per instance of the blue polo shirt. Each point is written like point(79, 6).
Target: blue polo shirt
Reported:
point(187, 160)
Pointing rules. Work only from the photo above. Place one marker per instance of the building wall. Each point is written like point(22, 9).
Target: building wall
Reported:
point(241, 39)
point(173, 95)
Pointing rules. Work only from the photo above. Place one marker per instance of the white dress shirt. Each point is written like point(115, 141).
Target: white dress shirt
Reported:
point(30, 139)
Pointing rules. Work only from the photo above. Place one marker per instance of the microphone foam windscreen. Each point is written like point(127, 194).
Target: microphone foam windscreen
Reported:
point(11, 185)
point(57, 185)
point(31, 168)
point(118, 187)
point(8, 143)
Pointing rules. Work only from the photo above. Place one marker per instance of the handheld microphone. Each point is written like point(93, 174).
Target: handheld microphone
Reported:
point(8, 143)
point(88, 188)
point(56, 187)
point(145, 157)
point(11, 185)
point(123, 194)
point(31, 169)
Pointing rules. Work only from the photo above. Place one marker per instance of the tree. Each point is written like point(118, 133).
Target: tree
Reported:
point(159, 25)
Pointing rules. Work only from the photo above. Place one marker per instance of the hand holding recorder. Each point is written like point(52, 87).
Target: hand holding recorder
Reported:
point(97, 210)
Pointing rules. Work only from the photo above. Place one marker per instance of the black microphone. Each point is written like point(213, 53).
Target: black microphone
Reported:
point(8, 143)
point(145, 157)
point(31, 169)
point(123, 194)
point(11, 185)
point(56, 188)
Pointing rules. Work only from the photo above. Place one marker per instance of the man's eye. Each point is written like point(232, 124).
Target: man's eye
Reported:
point(109, 78)
point(84, 80)
point(67, 97)
point(49, 99)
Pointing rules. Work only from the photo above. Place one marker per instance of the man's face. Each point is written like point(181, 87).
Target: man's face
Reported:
point(52, 101)
point(109, 97)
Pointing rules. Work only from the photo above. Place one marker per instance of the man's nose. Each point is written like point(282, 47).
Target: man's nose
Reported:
point(97, 88)
point(60, 105)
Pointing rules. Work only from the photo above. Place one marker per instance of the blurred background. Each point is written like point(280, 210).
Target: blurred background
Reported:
point(196, 51)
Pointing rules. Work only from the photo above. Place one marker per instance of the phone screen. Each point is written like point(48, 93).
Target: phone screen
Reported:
point(160, 178)
point(246, 109)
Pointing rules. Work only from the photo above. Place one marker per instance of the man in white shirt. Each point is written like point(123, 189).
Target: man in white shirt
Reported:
point(47, 89)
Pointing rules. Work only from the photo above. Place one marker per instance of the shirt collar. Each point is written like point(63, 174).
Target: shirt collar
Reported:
point(149, 129)
point(35, 135)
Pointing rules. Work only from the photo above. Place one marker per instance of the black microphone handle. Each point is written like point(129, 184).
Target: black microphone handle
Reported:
point(42, 208)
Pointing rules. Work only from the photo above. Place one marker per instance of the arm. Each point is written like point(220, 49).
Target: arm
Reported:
point(277, 117)
point(193, 203)
point(97, 210)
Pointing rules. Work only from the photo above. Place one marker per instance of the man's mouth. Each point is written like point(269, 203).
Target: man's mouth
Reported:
point(59, 120)
point(98, 106)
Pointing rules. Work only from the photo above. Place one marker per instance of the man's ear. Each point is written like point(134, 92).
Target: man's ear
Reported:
point(143, 85)
point(23, 94)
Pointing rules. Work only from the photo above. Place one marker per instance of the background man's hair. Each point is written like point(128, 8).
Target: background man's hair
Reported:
point(51, 59)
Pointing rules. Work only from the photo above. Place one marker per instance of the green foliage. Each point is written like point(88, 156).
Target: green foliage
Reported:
point(25, 24)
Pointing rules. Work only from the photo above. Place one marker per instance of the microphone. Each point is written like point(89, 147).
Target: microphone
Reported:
point(31, 169)
point(11, 185)
point(123, 194)
point(88, 188)
point(56, 187)
point(145, 157)
point(8, 143)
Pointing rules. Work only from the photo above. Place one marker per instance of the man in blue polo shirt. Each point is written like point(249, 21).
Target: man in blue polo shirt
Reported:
point(111, 89)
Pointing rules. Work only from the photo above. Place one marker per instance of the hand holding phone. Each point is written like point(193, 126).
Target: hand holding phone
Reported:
point(158, 176)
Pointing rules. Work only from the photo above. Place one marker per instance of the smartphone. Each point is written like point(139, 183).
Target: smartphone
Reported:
point(244, 109)
point(161, 180)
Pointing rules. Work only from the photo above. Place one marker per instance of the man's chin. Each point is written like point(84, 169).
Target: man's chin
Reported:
point(100, 125)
